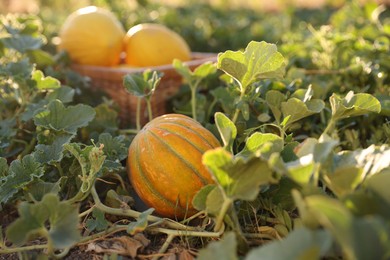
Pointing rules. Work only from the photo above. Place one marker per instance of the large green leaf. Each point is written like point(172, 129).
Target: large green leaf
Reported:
point(20, 173)
point(260, 60)
point(353, 105)
point(60, 215)
point(301, 243)
point(240, 179)
point(60, 118)
point(223, 249)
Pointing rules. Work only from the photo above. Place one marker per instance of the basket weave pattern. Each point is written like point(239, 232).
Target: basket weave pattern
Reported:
point(110, 80)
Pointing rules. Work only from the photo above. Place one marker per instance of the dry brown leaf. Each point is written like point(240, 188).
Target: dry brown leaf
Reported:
point(124, 245)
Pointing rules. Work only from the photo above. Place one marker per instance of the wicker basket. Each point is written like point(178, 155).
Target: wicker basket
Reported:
point(110, 80)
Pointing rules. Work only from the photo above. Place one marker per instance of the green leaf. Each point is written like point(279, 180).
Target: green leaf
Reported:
point(353, 105)
point(182, 69)
point(115, 150)
point(223, 249)
point(52, 152)
point(98, 221)
point(344, 180)
point(227, 130)
point(263, 144)
point(302, 170)
point(62, 217)
point(260, 60)
point(274, 101)
point(302, 243)
point(332, 214)
point(38, 189)
point(378, 183)
point(60, 118)
point(141, 224)
point(238, 178)
point(214, 201)
point(22, 43)
point(41, 58)
point(3, 168)
point(91, 160)
point(45, 83)
point(142, 85)
point(204, 70)
point(298, 109)
point(20, 173)
point(371, 160)
point(199, 200)
point(64, 93)
point(199, 73)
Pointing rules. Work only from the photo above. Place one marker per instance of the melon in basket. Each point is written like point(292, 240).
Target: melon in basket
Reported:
point(151, 44)
point(92, 36)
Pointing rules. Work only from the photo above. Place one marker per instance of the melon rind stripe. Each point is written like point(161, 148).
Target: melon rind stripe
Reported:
point(151, 188)
point(203, 180)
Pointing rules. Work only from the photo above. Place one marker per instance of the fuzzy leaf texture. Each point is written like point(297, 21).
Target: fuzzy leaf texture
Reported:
point(61, 216)
point(238, 178)
point(260, 60)
point(60, 118)
point(20, 173)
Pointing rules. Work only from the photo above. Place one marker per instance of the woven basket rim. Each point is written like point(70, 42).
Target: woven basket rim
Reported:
point(197, 59)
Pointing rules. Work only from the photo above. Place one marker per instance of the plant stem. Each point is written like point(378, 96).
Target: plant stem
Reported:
point(149, 107)
point(135, 214)
point(129, 131)
point(138, 115)
point(193, 101)
point(330, 127)
point(165, 246)
point(237, 112)
point(21, 249)
point(225, 207)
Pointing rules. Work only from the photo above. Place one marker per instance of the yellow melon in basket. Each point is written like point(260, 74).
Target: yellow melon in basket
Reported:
point(92, 36)
point(151, 44)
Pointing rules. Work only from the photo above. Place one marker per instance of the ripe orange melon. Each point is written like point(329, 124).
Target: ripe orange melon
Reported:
point(165, 163)
point(150, 44)
point(92, 36)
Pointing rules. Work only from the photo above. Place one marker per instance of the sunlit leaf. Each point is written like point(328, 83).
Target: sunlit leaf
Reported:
point(298, 109)
point(353, 105)
point(261, 143)
point(44, 83)
point(260, 60)
point(239, 179)
point(227, 130)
